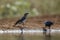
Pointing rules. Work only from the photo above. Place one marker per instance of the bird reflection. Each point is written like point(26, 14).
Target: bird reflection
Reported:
point(21, 36)
point(47, 35)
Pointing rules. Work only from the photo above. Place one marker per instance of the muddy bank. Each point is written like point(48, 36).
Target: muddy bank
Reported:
point(31, 22)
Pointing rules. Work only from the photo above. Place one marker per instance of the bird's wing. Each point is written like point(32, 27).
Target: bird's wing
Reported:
point(17, 22)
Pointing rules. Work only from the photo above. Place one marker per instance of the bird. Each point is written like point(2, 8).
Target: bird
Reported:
point(48, 24)
point(22, 19)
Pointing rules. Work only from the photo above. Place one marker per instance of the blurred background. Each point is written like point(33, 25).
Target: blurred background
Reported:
point(39, 10)
point(16, 8)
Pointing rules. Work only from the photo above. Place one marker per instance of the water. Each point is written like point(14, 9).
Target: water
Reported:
point(30, 36)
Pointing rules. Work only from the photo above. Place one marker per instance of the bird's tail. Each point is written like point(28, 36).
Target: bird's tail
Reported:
point(14, 24)
point(17, 23)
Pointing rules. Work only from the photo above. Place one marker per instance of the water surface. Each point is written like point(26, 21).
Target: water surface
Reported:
point(30, 36)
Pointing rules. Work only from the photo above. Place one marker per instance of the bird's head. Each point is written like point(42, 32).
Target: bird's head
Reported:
point(26, 14)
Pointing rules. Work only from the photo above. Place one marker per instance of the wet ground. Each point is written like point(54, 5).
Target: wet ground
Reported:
point(31, 22)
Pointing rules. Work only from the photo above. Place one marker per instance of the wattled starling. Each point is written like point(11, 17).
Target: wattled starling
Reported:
point(48, 24)
point(22, 19)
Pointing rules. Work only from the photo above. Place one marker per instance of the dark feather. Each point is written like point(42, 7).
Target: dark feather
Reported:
point(22, 19)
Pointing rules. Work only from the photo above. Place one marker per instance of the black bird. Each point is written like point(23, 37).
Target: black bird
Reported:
point(48, 24)
point(22, 19)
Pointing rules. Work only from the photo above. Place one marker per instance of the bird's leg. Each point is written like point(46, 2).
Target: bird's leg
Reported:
point(23, 24)
point(46, 27)
point(49, 30)
point(22, 28)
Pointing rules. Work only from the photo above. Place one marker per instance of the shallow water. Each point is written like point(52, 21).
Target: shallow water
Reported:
point(29, 31)
point(30, 36)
